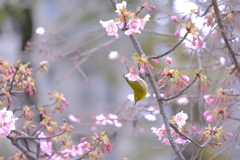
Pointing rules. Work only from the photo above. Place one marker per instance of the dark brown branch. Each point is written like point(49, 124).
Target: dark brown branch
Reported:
point(172, 49)
point(206, 11)
point(222, 30)
point(20, 147)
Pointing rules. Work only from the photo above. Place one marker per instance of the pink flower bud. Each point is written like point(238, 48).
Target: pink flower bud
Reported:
point(142, 70)
point(155, 61)
point(193, 128)
point(174, 19)
point(153, 8)
point(177, 33)
point(230, 134)
point(185, 78)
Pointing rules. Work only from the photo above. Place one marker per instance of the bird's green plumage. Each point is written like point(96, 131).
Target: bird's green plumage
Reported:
point(139, 87)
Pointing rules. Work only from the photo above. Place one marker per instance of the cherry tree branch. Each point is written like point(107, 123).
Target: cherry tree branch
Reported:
point(16, 143)
point(172, 49)
point(222, 30)
point(206, 11)
point(188, 138)
point(138, 47)
point(179, 93)
point(159, 99)
point(92, 149)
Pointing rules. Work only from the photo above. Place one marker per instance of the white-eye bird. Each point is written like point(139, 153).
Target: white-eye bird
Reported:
point(138, 85)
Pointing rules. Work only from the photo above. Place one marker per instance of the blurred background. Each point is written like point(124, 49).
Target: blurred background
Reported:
point(77, 50)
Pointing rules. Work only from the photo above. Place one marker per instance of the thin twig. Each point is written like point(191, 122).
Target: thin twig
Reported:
point(172, 49)
point(89, 150)
point(206, 11)
point(179, 93)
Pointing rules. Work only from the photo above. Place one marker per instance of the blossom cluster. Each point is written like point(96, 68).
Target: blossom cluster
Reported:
point(213, 132)
point(16, 79)
point(175, 76)
point(135, 23)
point(197, 42)
point(180, 120)
point(60, 100)
point(81, 149)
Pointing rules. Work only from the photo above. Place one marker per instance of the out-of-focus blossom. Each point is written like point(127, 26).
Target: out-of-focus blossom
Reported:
point(182, 101)
point(169, 60)
point(222, 61)
point(197, 43)
point(113, 55)
point(40, 30)
point(131, 97)
point(208, 99)
point(73, 118)
point(208, 116)
point(150, 117)
point(110, 119)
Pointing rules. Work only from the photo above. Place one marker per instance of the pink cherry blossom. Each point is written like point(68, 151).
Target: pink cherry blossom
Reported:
point(197, 43)
point(166, 141)
point(131, 76)
point(7, 122)
point(179, 140)
point(208, 99)
point(181, 118)
point(46, 147)
point(111, 27)
point(142, 70)
point(208, 117)
point(121, 7)
point(160, 132)
point(144, 20)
